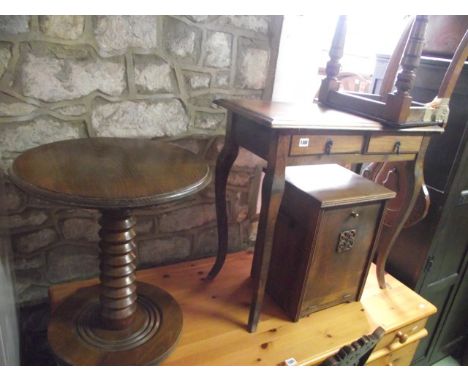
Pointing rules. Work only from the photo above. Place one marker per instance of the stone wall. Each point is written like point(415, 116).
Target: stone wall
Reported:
point(64, 77)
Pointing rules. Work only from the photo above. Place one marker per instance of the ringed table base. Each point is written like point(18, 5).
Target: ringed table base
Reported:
point(110, 323)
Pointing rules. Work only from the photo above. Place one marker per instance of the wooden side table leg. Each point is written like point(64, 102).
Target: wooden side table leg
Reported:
point(224, 163)
point(415, 180)
point(118, 290)
point(272, 194)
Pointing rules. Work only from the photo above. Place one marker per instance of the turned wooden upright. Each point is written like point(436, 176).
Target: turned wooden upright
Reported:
point(394, 108)
point(121, 321)
point(118, 289)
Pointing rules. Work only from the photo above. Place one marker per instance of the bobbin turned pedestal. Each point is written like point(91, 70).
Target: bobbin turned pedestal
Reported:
point(121, 321)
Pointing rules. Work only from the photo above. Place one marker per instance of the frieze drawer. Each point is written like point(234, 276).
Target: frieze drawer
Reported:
point(388, 144)
point(325, 144)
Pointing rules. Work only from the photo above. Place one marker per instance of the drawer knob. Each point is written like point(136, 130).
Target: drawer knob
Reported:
point(328, 146)
point(396, 148)
point(354, 214)
point(402, 337)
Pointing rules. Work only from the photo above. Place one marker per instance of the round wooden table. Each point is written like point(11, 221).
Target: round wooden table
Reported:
point(121, 321)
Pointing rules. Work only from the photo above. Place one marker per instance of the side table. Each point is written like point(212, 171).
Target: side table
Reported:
point(304, 134)
point(120, 321)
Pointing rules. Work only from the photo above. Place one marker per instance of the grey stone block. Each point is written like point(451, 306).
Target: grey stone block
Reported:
point(161, 251)
point(32, 294)
point(66, 27)
point(5, 55)
point(201, 18)
point(144, 225)
point(252, 64)
point(153, 75)
point(139, 119)
point(221, 80)
point(209, 121)
point(14, 199)
point(197, 80)
point(253, 23)
point(25, 263)
point(27, 243)
point(186, 218)
point(80, 229)
point(17, 137)
point(14, 24)
point(182, 41)
point(54, 75)
point(69, 262)
point(218, 50)
point(206, 242)
point(115, 34)
point(27, 218)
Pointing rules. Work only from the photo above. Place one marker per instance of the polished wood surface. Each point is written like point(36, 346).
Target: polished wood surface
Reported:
point(77, 337)
point(324, 242)
point(214, 317)
point(394, 143)
point(331, 144)
point(119, 322)
point(311, 116)
point(332, 185)
point(110, 172)
point(269, 130)
point(117, 295)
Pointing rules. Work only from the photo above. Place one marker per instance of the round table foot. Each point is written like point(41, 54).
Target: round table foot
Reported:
point(78, 337)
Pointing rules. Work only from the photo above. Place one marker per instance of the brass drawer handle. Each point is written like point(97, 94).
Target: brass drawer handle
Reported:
point(354, 214)
point(402, 337)
point(328, 146)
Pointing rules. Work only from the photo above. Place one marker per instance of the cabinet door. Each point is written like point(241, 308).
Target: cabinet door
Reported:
point(339, 262)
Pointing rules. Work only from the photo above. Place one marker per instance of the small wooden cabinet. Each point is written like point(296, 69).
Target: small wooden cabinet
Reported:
point(325, 235)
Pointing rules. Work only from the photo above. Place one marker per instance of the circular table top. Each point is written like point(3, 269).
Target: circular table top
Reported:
point(110, 172)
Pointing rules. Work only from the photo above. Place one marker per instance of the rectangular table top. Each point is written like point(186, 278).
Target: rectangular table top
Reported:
point(313, 116)
point(215, 313)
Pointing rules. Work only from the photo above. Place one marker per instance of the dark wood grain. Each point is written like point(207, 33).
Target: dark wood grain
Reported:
point(226, 158)
point(332, 185)
point(118, 322)
point(105, 347)
point(110, 172)
point(264, 127)
point(118, 254)
point(272, 193)
point(414, 180)
point(310, 271)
